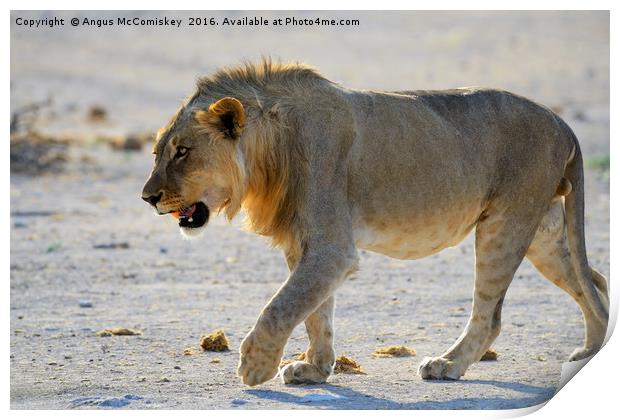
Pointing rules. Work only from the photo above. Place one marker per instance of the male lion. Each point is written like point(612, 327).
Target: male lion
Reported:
point(324, 170)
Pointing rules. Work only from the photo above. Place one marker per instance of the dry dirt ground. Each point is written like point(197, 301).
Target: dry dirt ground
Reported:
point(65, 286)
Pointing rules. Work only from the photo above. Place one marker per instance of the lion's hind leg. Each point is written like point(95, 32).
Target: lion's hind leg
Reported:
point(550, 254)
point(502, 239)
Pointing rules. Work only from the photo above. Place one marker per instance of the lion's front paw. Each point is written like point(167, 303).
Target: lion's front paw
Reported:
point(439, 368)
point(303, 373)
point(259, 359)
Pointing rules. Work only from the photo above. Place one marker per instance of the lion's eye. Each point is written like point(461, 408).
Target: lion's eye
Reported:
point(181, 151)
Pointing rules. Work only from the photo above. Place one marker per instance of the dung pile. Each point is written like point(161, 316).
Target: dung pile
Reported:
point(216, 341)
point(108, 332)
point(489, 355)
point(347, 365)
point(394, 351)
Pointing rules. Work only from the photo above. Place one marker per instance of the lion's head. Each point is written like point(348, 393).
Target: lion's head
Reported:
point(197, 168)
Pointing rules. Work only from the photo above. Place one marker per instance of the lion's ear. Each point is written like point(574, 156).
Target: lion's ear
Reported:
point(226, 115)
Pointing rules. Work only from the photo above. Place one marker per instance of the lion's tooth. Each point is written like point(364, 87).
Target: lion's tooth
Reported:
point(191, 219)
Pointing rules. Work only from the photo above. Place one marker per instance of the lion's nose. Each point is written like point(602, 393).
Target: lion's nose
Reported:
point(152, 199)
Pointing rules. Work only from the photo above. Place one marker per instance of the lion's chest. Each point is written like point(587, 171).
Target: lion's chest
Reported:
point(413, 238)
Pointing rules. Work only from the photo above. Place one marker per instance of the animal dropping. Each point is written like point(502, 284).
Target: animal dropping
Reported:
point(489, 355)
point(394, 351)
point(347, 365)
point(108, 332)
point(216, 341)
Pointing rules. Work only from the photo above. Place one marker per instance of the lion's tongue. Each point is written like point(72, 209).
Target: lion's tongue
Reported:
point(187, 212)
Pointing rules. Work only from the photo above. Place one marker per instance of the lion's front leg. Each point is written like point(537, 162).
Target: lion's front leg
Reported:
point(312, 283)
point(320, 357)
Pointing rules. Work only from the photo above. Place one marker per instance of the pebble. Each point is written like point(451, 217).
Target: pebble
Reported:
point(238, 401)
point(85, 304)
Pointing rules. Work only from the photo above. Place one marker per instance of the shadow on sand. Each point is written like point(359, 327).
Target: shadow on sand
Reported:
point(339, 397)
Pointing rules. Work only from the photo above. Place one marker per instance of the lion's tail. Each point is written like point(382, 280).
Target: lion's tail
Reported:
point(574, 204)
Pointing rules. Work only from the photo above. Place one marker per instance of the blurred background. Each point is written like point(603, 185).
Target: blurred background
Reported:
point(88, 254)
point(140, 74)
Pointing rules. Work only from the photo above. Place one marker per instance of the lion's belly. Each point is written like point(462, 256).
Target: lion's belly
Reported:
point(413, 239)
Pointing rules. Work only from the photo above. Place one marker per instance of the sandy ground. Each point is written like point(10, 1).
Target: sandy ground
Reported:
point(175, 290)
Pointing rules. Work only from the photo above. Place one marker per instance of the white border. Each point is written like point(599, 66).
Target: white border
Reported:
point(591, 394)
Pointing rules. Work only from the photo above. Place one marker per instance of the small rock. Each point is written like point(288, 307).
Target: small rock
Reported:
point(238, 401)
point(177, 367)
point(85, 304)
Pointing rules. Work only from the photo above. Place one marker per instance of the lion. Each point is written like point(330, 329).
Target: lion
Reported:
point(324, 171)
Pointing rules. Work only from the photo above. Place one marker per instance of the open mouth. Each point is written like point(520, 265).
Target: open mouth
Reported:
point(194, 216)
